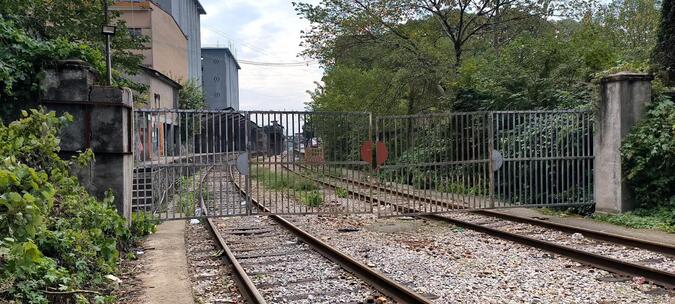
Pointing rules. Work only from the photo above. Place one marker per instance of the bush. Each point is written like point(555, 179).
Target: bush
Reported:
point(648, 154)
point(142, 224)
point(56, 237)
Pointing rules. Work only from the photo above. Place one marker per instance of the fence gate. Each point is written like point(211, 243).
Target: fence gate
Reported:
point(184, 158)
point(298, 161)
point(288, 162)
point(191, 161)
point(479, 160)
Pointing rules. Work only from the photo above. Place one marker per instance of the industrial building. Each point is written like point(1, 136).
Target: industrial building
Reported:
point(220, 81)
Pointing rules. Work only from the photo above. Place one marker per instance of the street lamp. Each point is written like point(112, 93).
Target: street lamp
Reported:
point(108, 31)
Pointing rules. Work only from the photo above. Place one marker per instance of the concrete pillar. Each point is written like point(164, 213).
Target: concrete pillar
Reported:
point(102, 118)
point(623, 99)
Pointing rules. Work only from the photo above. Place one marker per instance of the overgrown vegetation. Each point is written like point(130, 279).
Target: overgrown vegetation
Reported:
point(56, 237)
point(663, 53)
point(305, 191)
point(407, 57)
point(22, 59)
point(655, 218)
point(341, 192)
point(35, 33)
point(648, 154)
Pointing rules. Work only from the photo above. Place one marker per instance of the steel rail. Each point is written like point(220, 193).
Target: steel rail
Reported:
point(658, 277)
point(243, 281)
point(666, 249)
point(379, 281)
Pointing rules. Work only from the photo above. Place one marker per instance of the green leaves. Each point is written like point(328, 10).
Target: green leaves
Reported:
point(648, 154)
point(56, 235)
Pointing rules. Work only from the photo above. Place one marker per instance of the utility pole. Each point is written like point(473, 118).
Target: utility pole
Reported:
point(108, 31)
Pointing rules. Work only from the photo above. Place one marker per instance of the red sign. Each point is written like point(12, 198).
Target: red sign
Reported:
point(381, 152)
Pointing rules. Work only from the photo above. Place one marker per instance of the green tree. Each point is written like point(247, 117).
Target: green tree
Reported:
point(648, 154)
point(190, 96)
point(664, 54)
point(22, 59)
point(38, 32)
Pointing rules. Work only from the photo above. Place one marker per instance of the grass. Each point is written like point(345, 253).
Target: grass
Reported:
point(658, 219)
point(276, 181)
point(306, 191)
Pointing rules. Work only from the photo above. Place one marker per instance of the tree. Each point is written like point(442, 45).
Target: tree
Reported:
point(37, 32)
point(190, 96)
point(78, 21)
point(523, 60)
point(22, 58)
point(664, 54)
point(459, 22)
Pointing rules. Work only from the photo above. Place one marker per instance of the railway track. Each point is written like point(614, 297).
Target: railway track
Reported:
point(273, 261)
point(531, 232)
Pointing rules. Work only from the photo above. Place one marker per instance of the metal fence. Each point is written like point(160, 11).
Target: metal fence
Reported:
point(459, 161)
point(310, 162)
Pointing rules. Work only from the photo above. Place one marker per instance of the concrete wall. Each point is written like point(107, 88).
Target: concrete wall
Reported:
point(102, 122)
point(168, 93)
point(624, 98)
point(220, 79)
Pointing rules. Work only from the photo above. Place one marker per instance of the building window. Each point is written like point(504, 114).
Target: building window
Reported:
point(135, 32)
point(217, 94)
point(216, 78)
point(157, 100)
point(216, 61)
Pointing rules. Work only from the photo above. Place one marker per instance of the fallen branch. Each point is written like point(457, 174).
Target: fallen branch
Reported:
point(71, 292)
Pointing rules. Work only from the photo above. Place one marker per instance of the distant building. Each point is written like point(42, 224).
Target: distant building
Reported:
point(165, 63)
point(187, 14)
point(165, 53)
point(220, 81)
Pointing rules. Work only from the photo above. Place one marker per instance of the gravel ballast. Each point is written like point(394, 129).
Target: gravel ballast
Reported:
point(457, 265)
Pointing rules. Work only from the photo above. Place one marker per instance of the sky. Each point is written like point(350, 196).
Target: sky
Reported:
point(265, 31)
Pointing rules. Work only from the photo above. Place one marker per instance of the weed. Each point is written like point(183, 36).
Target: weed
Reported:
point(341, 193)
point(311, 198)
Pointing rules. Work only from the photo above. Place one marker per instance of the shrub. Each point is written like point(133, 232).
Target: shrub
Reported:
point(56, 237)
point(142, 224)
point(648, 154)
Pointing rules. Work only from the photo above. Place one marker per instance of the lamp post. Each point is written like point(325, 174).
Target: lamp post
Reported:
point(108, 31)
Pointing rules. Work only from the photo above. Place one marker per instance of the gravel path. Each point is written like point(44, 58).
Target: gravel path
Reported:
point(458, 265)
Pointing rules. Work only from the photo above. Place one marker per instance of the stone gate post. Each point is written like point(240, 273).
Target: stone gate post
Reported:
point(623, 99)
point(102, 121)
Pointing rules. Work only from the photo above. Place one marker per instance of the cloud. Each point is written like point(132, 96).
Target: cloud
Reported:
point(262, 31)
